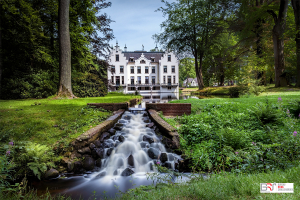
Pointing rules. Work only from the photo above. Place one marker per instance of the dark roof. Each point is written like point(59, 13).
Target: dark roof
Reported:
point(157, 55)
point(191, 79)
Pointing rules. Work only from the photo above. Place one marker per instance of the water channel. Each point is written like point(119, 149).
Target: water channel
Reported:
point(128, 161)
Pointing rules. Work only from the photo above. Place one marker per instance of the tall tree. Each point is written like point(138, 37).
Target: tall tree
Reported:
point(296, 7)
point(278, 42)
point(65, 87)
point(192, 26)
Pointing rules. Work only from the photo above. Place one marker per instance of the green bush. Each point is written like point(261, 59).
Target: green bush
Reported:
point(88, 84)
point(37, 84)
point(33, 159)
point(266, 113)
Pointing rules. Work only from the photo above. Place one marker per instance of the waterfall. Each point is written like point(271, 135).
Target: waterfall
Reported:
point(134, 148)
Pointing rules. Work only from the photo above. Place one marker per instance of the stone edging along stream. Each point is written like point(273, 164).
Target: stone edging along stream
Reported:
point(84, 144)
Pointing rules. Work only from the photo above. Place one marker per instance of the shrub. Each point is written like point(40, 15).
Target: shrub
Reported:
point(37, 84)
point(33, 158)
point(294, 108)
point(88, 85)
point(266, 113)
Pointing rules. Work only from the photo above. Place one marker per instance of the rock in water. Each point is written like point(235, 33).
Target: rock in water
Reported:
point(121, 138)
point(148, 139)
point(153, 153)
point(127, 172)
point(77, 166)
point(52, 173)
point(163, 157)
point(112, 131)
point(167, 165)
point(88, 163)
point(98, 162)
point(99, 153)
point(108, 152)
point(118, 126)
point(150, 125)
point(104, 136)
point(131, 161)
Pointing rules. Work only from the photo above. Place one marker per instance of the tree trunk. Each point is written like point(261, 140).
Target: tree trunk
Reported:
point(296, 7)
point(278, 42)
point(65, 87)
point(199, 71)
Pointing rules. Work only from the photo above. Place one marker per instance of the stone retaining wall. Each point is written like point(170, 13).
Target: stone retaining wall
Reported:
point(171, 139)
point(91, 135)
point(115, 106)
point(171, 109)
point(110, 106)
point(133, 102)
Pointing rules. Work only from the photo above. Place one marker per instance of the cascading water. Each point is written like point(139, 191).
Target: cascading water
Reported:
point(126, 157)
point(136, 148)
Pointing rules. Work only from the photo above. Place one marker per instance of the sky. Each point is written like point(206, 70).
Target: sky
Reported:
point(135, 23)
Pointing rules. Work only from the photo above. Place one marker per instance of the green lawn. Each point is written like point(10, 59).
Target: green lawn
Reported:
point(225, 89)
point(222, 186)
point(46, 121)
point(234, 134)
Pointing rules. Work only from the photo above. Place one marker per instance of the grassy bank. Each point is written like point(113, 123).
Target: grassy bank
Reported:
point(222, 186)
point(242, 134)
point(225, 90)
point(46, 121)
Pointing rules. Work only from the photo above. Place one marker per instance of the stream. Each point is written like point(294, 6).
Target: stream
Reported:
point(128, 161)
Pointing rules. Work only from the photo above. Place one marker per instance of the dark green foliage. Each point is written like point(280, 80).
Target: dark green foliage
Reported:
point(266, 113)
point(294, 108)
point(29, 32)
point(88, 85)
point(40, 84)
point(244, 135)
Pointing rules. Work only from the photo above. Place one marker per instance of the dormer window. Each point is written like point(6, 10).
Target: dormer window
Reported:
point(152, 60)
point(142, 62)
point(117, 57)
point(169, 58)
point(131, 59)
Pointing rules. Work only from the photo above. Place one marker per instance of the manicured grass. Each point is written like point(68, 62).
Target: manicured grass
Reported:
point(189, 89)
point(225, 89)
point(222, 186)
point(272, 97)
point(46, 121)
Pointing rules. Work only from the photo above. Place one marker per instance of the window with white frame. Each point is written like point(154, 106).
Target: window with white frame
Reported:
point(165, 69)
point(139, 69)
point(121, 69)
point(169, 58)
point(117, 57)
point(153, 70)
point(147, 79)
point(173, 69)
point(132, 69)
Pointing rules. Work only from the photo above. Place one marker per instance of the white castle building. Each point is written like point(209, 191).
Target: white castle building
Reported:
point(153, 74)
